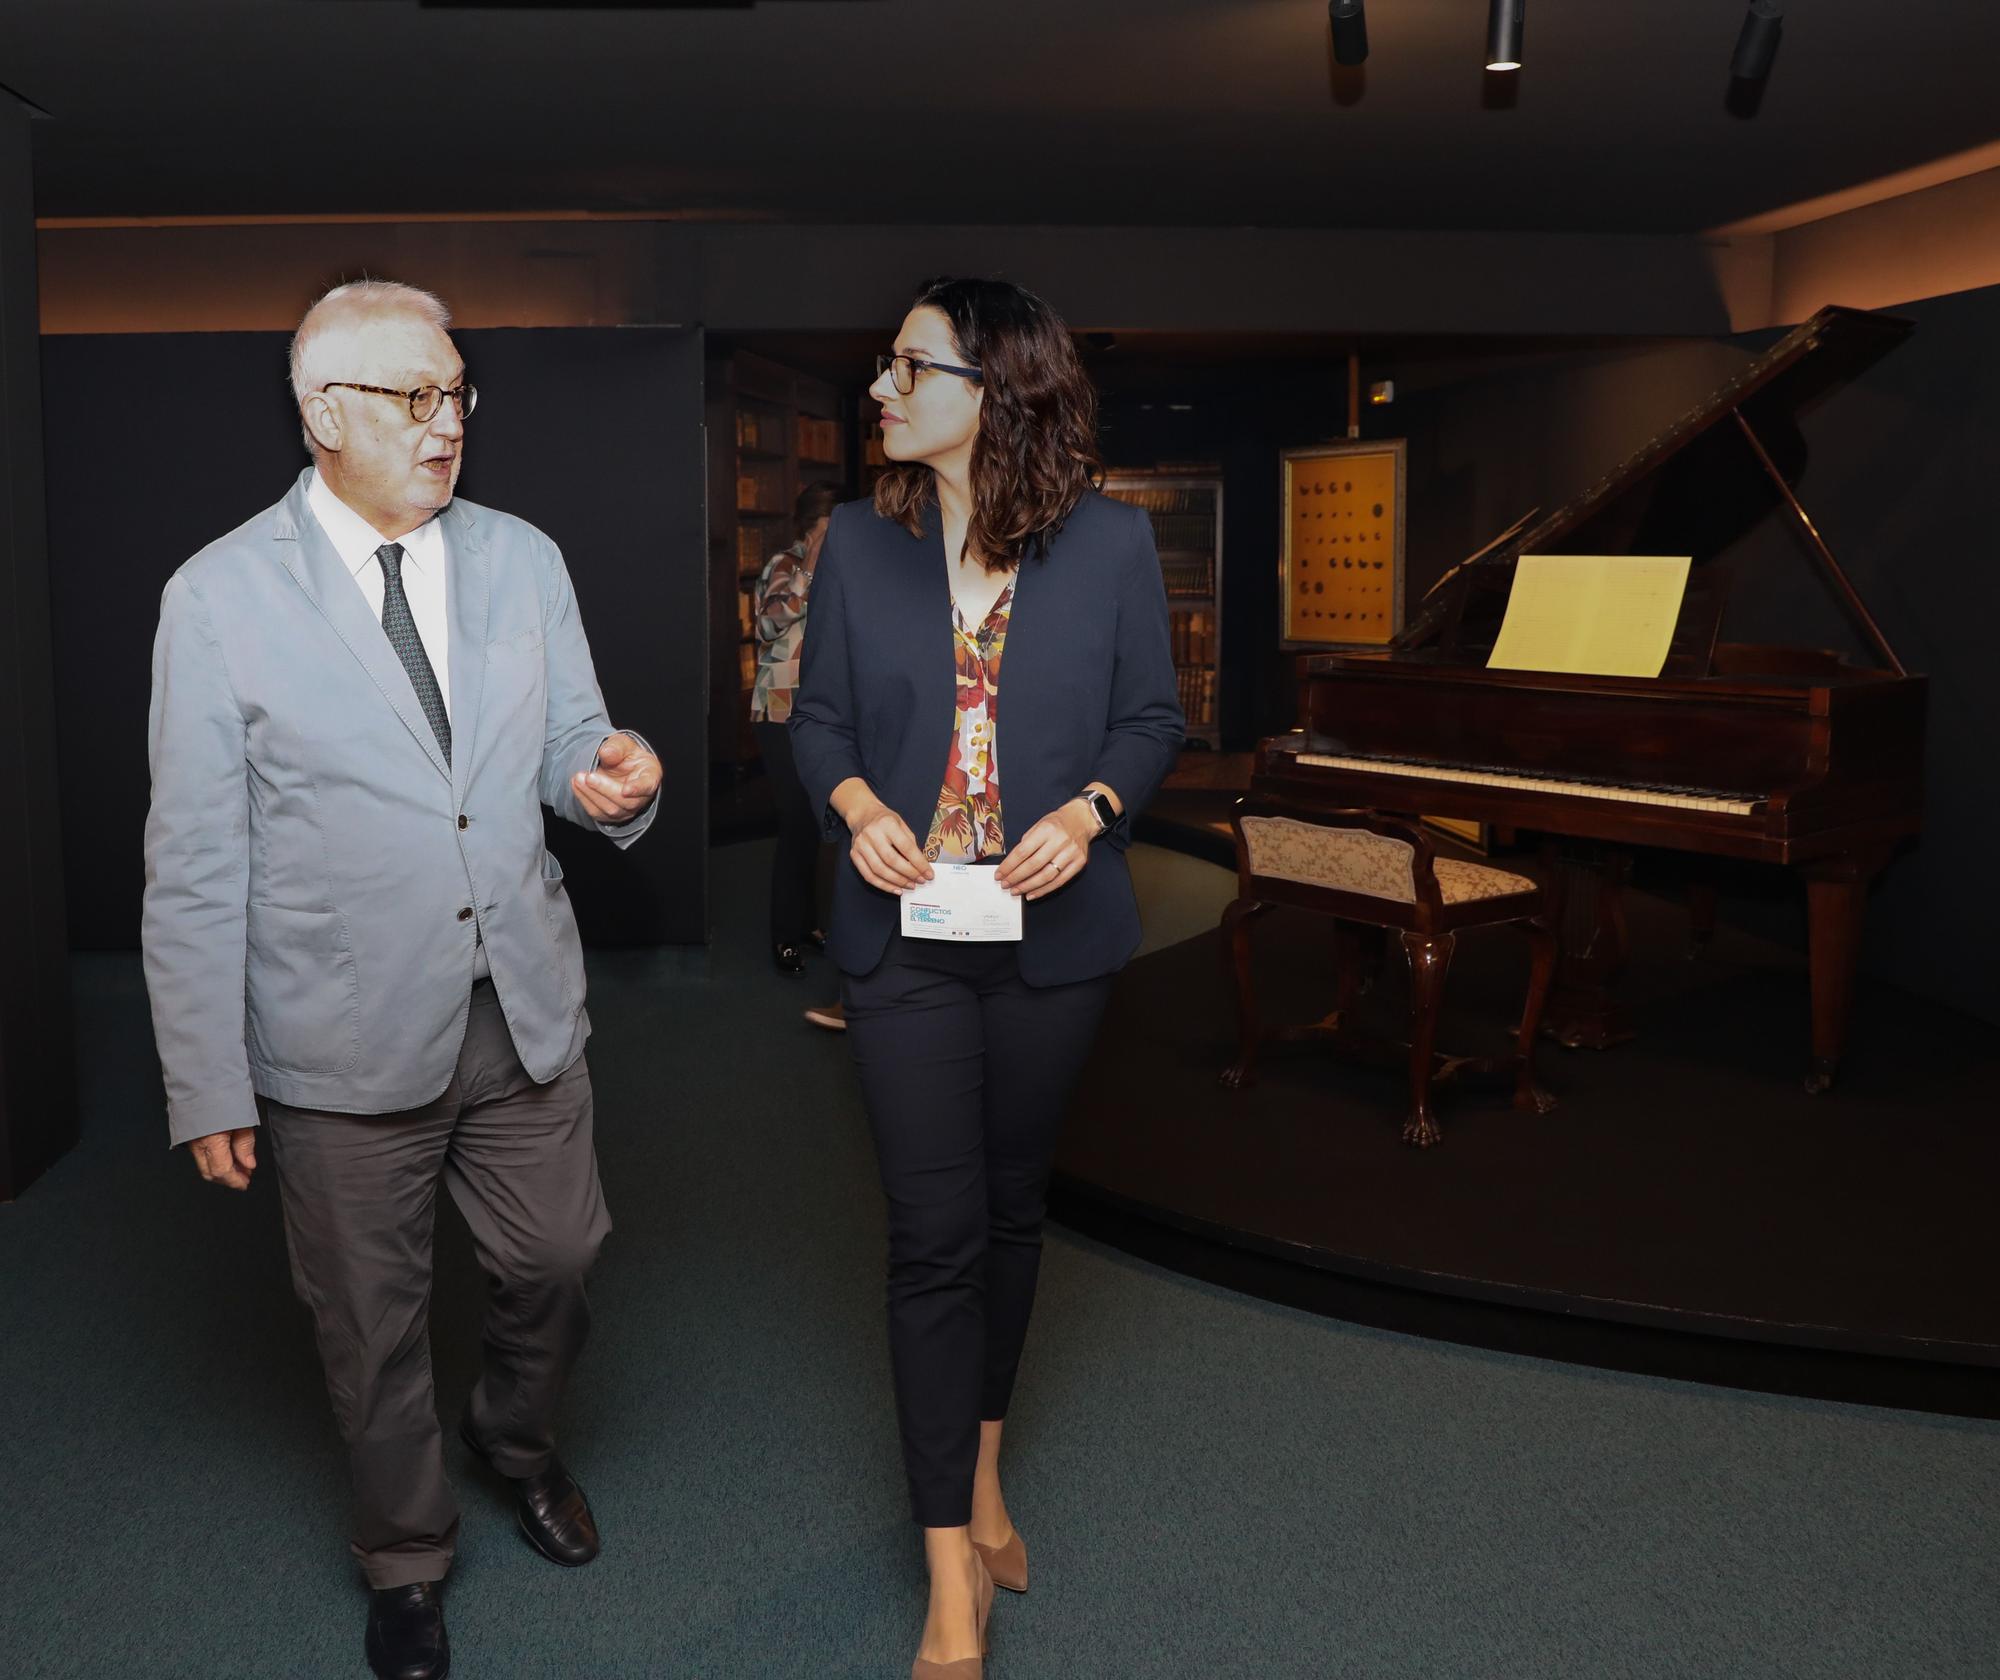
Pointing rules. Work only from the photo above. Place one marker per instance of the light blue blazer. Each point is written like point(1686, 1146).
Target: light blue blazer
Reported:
point(317, 876)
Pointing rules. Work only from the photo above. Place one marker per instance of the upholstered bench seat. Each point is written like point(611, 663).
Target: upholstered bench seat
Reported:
point(1365, 869)
point(1358, 861)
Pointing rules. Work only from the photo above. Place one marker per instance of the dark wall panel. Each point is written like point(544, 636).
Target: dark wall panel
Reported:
point(38, 1115)
point(157, 444)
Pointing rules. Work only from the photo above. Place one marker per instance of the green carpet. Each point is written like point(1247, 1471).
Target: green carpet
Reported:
point(1211, 1486)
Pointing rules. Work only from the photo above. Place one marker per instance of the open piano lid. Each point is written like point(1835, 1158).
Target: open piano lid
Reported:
point(1691, 489)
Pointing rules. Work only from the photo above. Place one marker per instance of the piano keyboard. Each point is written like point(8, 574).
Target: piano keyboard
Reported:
point(1533, 784)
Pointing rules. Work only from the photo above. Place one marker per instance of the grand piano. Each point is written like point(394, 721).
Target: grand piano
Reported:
point(1786, 755)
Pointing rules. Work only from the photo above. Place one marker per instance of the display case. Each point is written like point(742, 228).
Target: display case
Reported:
point(1186, 512)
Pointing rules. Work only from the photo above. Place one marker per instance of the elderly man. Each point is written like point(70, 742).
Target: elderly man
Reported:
point(353, 934)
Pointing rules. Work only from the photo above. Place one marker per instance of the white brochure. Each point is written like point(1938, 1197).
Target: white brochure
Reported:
point(962, 901)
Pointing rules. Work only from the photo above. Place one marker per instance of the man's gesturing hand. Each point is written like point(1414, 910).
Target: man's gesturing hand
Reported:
point(226, 1157)
point(623, 784)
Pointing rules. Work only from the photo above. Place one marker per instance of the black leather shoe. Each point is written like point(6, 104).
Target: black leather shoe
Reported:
point(550, 1507)
point(789, 958)
point(406, 1639)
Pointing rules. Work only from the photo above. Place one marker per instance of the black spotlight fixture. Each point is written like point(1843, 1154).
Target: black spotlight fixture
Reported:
point(1350, 30)
point(1763, 26)
point(1503, 33)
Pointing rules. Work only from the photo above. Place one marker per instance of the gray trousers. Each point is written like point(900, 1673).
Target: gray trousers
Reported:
point(360, 1197)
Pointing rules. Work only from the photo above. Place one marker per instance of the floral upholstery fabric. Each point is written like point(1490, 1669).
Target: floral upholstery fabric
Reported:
point(1357, 861)
point(968, 825)
point(1460, 882)
point(1345, 859)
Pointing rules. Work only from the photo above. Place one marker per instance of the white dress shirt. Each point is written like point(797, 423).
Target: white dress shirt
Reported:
point(425, 585)
point(424, 572)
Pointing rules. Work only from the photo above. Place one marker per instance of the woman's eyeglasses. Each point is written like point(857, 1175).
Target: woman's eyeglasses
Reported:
point(904, 370)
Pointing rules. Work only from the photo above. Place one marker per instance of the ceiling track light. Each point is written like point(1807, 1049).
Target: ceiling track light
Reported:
point(1757, 45)
point(1503, 33)
point(1350, 30)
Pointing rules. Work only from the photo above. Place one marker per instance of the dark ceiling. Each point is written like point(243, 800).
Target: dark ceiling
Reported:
point(1095, 112)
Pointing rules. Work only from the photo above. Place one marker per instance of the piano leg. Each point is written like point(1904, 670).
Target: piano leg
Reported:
point(1587, 886)
point(1529, 1097)
point(1430, 959)
point(1836, 896)
point(1236, 920)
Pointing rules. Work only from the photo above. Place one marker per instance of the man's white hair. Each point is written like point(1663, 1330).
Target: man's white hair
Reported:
point(320, 333)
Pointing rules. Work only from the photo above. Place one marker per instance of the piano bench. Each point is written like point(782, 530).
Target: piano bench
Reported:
point(1365, 869)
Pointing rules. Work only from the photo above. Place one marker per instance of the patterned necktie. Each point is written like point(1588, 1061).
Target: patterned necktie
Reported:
point(401, 629)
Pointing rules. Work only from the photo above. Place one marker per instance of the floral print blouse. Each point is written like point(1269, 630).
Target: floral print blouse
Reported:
point(967, 826)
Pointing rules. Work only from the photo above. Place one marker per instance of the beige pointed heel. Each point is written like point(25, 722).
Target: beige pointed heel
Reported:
point(1007, 1564)
point(964, 1668)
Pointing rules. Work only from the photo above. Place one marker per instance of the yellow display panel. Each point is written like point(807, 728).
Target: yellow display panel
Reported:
point(1342, 562)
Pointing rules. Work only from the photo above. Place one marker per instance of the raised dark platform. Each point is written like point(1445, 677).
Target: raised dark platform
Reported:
point(1687, 1184)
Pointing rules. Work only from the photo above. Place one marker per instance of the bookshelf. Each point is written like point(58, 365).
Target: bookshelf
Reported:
point(1187, 530)
point(771, 432)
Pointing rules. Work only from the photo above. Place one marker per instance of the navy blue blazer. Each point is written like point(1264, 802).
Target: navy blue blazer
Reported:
point(1086, 694)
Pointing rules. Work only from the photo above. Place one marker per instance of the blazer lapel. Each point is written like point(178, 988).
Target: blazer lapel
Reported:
point(308, 554)
point(468, 587)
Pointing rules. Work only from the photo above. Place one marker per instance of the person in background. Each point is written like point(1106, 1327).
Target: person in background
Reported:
point(782, 593)
point(986, 546)
point(354, 938)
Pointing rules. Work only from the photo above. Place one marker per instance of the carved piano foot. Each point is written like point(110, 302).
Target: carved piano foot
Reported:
point(1821, 1075)
point(1532, 1099)
point(1239, 1076)
point(1421, 1129)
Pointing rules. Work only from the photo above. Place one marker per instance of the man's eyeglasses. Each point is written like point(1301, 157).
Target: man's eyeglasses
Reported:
point(424, 401)
point(904, 369)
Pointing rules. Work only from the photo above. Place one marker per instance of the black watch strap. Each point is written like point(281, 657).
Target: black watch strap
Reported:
point(1100, 808)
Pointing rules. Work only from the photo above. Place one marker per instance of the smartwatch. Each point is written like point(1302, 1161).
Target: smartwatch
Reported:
point(1100, 808)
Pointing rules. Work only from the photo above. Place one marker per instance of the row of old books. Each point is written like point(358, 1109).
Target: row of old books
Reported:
point(819, 440)
point(1197, 696)
point(1188, 573)
point(750, 496)
point(750, 555)
point(1193, 637)
point(1170, 499)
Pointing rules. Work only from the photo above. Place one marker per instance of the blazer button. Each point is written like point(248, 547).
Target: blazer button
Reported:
point(464, 821)
point(465, 915)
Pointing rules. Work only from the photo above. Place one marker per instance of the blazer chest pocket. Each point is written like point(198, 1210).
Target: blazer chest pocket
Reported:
point(516, 683)
point(301, 1000)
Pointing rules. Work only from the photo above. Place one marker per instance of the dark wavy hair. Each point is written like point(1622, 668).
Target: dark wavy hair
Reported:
point(1036, 451)
point(815, 501)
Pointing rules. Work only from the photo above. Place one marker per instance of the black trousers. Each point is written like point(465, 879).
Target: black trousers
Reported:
point(795, 864)
point(966, 1070)
point(360, 1197)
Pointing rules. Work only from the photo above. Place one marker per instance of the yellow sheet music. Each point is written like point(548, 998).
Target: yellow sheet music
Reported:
point(1607, 615)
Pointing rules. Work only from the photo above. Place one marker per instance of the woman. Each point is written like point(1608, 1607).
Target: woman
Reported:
point(987, 582)
point(781, 595)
